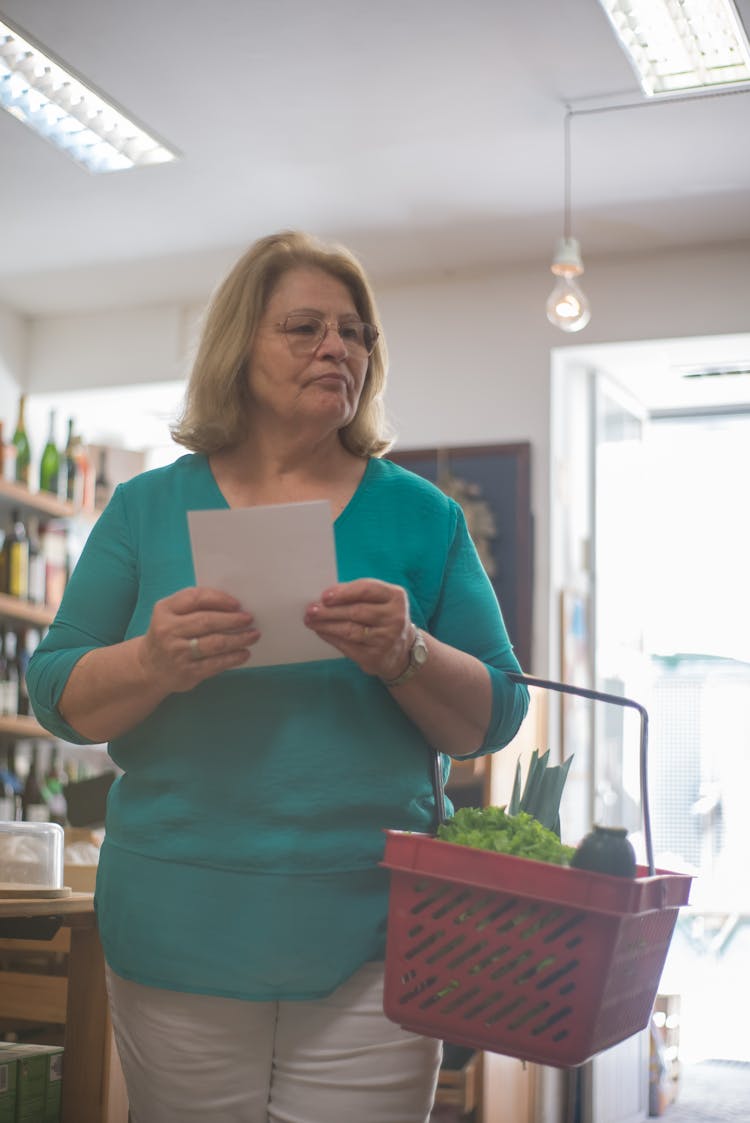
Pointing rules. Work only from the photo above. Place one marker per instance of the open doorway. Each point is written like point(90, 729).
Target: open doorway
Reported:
point(697, 638)
point(664, 520)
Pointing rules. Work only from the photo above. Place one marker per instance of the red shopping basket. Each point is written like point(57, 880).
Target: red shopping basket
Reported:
point(514, 956)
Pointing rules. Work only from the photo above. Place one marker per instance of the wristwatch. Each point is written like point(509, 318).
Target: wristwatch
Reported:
point(417, 658)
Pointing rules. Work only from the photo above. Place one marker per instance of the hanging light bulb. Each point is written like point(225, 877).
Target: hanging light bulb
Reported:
point(567, 306)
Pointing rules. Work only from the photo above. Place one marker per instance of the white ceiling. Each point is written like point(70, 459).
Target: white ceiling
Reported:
point(426, 134)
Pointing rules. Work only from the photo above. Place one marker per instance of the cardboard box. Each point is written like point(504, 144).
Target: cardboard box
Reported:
point(38, 1081)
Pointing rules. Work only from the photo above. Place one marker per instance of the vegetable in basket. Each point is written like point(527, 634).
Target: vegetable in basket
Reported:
point(529, 828)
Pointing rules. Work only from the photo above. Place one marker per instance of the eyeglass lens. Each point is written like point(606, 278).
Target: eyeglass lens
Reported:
point(305, 333)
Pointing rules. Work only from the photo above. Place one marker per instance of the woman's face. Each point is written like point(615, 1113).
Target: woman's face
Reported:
point(288, 382)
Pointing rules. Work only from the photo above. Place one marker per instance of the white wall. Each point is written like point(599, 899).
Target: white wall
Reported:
point(14, 340)
point(470, 355)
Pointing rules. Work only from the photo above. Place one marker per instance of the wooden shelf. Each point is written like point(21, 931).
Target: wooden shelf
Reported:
point(24, 612)
point(16, 725)
point(37, 502)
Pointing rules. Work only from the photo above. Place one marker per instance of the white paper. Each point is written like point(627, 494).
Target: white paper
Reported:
point(276, 561)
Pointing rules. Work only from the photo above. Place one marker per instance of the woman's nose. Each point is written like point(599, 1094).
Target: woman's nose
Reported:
point(332, 343)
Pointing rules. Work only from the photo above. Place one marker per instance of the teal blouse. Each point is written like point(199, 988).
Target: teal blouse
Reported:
point(244, 835)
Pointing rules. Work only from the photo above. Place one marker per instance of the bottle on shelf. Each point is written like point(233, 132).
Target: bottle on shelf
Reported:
point(10, 788)
point(71, 466)
point(53, 789)
point(36, 591)
point(10, 673)
point(49, 468)
point(8, 691)
point(14, 559)
point(34, 806)
point(102, 486)
point(55, 550)
point(85, 476)
point(23, 654)
point(22, 446)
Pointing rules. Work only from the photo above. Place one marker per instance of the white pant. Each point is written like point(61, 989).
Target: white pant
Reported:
point(190, 1058)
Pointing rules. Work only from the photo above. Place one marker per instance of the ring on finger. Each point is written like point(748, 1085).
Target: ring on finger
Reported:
point(365, 632)
point(195, 648)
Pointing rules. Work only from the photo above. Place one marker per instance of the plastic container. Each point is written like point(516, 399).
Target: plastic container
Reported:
point(31, 858)
point(537, 961)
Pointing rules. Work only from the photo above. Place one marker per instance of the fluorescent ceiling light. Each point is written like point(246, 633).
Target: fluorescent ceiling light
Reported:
point(46, 96)
point(682, 44)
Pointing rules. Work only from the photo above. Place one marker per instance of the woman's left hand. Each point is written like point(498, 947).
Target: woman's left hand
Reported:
point(368, 621)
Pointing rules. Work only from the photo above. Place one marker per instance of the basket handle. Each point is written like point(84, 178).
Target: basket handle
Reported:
point(594, 696)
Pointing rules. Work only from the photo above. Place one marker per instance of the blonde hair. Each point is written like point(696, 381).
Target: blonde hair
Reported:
point(216, 404)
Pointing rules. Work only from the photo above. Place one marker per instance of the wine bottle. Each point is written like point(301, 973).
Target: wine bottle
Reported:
point(49, 469)
point(23, 654)
point(37, 563)
point(102, 486)
point(14, 563)
point(7, 687)
point(10, 788)
point(33, 803)
point(71, 465)
point(22, 446)
point(85, 475)
point(10, 700)
point(53, 789)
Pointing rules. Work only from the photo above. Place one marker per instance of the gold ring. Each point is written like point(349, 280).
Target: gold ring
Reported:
point(365, 632)
point(195, 648)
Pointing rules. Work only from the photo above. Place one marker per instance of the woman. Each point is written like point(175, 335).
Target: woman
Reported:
point(239, 897)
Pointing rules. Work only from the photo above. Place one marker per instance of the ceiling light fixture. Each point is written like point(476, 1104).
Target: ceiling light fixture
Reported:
point(681, 44)
point(567, 305)
point(42, 93)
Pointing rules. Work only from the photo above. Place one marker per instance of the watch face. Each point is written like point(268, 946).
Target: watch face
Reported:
point(419, 652)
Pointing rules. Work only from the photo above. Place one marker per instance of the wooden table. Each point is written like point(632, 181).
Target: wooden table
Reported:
point(93, 1087)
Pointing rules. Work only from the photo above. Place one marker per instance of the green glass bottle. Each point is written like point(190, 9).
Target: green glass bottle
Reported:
point(49, 469)
point(71, 465)
point(23, 448)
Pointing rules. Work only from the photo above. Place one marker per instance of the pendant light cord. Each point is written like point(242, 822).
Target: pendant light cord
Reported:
point(567, 173)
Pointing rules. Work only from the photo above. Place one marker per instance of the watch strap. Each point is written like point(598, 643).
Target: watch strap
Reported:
point(417, 659)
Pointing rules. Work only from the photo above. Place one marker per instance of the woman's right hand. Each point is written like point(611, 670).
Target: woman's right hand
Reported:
point(194, 634)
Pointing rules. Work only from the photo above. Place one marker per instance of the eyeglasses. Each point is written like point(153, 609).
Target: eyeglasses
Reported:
point(305, 333)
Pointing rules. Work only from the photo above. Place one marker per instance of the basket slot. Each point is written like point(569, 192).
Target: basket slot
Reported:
point(483, 964)
point(426, 943)
point(533, 1013)
point(473, 950)
point(472, 911)
point(505, 1012)
point(494, 915)
point(507, 967)
point(452, 904)
point(518, 918)
point(487, 1001)
point(420, 988)
point(437, 892)
point(446, 949)
point(574, 921)
point(545, 919)
point(552, 1020)
point(560, 973)
point(451, 1007)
